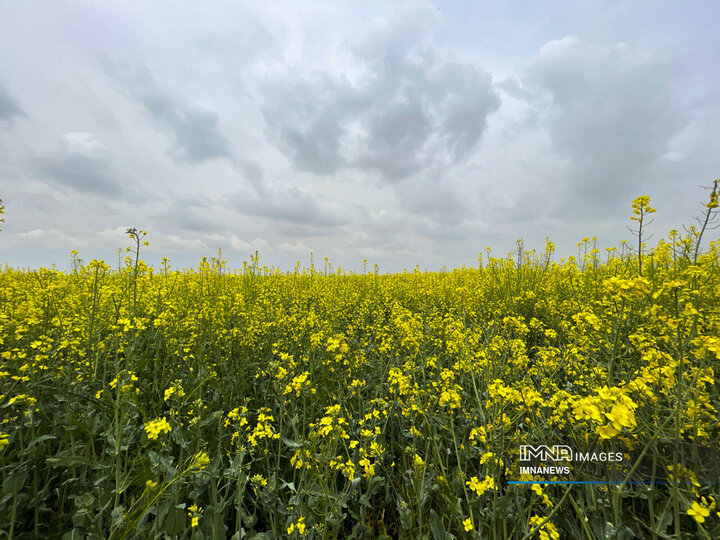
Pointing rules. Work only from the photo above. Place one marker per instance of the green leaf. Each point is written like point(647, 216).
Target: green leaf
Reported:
point(291, 444)
point(72, 535)
point(436, 526)
point(41, 438)
point(67, 461)
point(175, 519)
point(13, 483)
point(289, 485)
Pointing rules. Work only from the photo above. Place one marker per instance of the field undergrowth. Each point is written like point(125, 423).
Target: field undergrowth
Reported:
point(145, 402)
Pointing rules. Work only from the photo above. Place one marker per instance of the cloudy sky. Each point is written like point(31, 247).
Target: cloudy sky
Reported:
point(406, 133)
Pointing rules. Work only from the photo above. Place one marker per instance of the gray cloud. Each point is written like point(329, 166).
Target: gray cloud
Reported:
point(9, 106)
point(252, 171)
point(196, 130)
point(434, 195)
point(405, 113)
point(84, 174)
point(612, 111)
point(82, 163)
point(197, 136)
point(304, 118)
point(289, 203)
point(196, 214)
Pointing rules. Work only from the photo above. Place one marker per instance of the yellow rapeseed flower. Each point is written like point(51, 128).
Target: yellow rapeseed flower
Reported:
point(155, 427)
point(480, 487)
point(298, 526)
point(700, 510)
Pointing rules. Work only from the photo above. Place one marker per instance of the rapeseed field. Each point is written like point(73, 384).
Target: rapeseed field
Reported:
point(141, 402)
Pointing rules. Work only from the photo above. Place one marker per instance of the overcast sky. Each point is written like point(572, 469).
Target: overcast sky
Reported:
point(407, 133)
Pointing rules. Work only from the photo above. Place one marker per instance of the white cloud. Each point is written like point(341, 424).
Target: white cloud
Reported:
point(80, 143)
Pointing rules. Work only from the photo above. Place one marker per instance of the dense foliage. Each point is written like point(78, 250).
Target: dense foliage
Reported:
point(141, 402)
